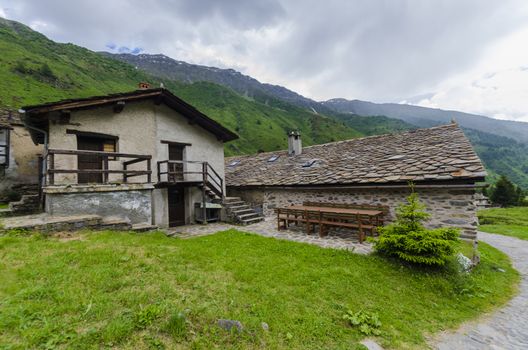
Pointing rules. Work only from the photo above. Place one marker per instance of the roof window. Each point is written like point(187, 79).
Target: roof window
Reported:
point(309, 163)
point(273, 158)
point(234, 163)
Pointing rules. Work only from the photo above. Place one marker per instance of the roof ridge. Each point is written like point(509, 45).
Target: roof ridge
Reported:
point(449, 125)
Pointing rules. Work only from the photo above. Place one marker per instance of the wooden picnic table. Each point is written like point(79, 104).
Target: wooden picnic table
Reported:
point(360, 219)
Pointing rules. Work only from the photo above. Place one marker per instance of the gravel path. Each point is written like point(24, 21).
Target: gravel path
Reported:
point(507, 328)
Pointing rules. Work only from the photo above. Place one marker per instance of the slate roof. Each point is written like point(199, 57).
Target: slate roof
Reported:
point(9, 118)
point(441, 153)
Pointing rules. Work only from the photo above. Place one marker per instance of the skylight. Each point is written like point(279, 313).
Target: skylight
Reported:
point(309, 163)
point(234, 163)
point(273, 158)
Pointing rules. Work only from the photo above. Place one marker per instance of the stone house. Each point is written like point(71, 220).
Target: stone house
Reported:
point(18, 158)
point(371, 170)
point(144, 156)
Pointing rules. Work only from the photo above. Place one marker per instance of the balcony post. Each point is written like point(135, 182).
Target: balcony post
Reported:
point(204, 194)
point(149, 175)
point(51, 167)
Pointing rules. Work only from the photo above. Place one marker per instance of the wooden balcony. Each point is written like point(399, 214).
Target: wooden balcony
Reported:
point(194, 173)
point(100, 166)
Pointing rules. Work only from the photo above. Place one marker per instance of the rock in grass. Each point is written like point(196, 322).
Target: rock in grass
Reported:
point(264, 326)
point(228, 325)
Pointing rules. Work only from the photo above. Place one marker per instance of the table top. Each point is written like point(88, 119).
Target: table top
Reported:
point(337, 210)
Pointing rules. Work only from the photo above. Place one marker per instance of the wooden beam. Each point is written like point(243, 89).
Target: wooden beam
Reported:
point(118, 107)
point(183, 144)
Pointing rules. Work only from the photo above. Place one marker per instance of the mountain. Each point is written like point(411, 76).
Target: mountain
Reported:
point(425, 117)
point(34, 69)
point(165, 67)
point(500, 144)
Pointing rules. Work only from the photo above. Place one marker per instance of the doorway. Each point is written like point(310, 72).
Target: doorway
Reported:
point(176, 201)
point(176, 169)
point(91, 162)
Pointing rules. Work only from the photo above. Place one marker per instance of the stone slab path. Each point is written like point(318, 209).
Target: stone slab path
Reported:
point(507, 328)
point(268, 228)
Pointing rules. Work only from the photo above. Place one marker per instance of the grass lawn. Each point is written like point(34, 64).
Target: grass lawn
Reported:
point(505, 221)
point(123, 290)
point(4, 205)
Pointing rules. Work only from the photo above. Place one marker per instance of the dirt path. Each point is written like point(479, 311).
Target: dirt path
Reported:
point(507, 328)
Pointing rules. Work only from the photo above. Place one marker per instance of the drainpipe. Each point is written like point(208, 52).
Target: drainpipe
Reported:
point(44, 159)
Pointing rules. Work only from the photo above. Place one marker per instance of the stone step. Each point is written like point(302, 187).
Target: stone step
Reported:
point(234, 204)
point(232, 199)
point(117, 224)
point(242, 211)
point(144, 227)
point(6, 212)
point(247, 216)
point(239, 207)
point(48, 223)
point(252, 220)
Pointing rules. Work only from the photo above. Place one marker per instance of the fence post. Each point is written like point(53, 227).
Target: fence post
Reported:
point(149, 175)
point(51, 167)
point(204, 195)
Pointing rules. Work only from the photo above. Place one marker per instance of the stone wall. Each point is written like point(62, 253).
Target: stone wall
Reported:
point(134, 205)
point(448, 207)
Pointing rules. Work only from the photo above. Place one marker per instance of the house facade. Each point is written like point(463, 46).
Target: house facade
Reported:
point(144, 156)
point(440, 162)
point(18, 157)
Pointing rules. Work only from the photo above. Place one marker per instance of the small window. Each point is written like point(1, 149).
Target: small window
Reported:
point(273, 158)
point(110, 146)
point(309, 163)
point(4, 147)
point(234, 163)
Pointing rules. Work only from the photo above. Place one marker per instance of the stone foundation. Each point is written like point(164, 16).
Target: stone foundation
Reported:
point(134, 206)
point(448, 207)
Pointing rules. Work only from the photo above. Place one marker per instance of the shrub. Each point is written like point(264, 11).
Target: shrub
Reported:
point(409, 240)
point(367, 322)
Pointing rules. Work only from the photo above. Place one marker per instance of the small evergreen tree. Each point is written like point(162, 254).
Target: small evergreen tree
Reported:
point(505, 193)
point(410, 241)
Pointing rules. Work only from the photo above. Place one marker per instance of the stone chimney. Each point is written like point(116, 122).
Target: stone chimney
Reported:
point(294, 143)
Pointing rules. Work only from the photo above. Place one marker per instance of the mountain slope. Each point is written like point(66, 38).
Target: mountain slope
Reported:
point(425, 117)
point(166, 67)
point(34, 69)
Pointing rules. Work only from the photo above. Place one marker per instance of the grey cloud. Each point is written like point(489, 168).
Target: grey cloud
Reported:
point(371, 49)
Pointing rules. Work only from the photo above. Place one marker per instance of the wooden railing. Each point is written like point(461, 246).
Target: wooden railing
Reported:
point(104, 157)
point(179, 171)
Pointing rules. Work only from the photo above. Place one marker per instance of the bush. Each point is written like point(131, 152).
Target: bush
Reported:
point(409, 240)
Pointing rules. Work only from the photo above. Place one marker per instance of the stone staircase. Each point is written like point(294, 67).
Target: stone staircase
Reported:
point(239, 212)
point(29, 202)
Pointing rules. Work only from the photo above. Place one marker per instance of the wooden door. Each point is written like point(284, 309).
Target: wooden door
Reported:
point(176, 199)
point(176, 153)
point(89, 161)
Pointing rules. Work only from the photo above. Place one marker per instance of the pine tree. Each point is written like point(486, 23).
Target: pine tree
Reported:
point(504, 192)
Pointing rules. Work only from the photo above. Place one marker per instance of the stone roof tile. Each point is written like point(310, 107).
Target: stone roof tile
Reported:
point(434, 154)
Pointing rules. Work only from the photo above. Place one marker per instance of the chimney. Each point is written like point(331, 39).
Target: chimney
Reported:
point(294, 143)
point(143, 86)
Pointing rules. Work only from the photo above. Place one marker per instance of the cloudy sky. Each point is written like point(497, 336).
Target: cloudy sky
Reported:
point(468, 55)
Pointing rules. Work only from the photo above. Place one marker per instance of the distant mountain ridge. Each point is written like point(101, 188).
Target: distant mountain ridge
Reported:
point(425, 117)
point(163, 66)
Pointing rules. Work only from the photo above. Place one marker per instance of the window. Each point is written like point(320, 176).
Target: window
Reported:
point(309, 163)
point(273, 158)
point(110, 146)
point(4, 147)
point(234, 163)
